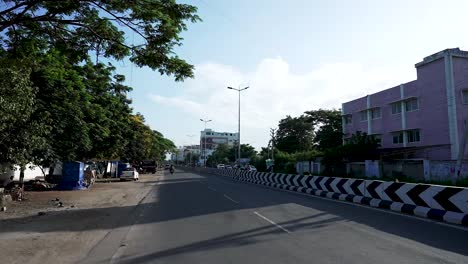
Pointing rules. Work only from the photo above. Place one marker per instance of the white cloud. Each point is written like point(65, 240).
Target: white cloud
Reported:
point(275, 92)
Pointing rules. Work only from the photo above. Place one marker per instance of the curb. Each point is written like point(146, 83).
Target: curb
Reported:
point(430, 213)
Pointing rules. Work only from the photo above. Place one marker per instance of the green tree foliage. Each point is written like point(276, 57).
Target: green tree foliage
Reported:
point(225, 154)
point(247, 152)
point(315, 129)
point(144, 143)
point(21, 137)
point(56, 104)
point(327, 125)
point(294, 134)
point(102, 27)
point(359, 148)
point(220, 156)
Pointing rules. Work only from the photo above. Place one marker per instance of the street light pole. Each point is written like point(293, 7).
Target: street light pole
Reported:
point(204, 137)
point(238, 125)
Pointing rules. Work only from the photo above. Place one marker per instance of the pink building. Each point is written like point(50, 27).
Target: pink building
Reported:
point(424, 118)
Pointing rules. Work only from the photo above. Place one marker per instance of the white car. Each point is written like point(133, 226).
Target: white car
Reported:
point(220, 166)
point(130, 174)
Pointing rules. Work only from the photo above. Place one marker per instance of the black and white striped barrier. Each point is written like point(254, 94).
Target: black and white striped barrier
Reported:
point(443, 203)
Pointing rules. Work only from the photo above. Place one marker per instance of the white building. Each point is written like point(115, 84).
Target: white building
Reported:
point(209, 141)
point(178, 156)
point(184, 151)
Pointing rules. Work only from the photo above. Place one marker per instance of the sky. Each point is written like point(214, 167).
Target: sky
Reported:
point(295, 55)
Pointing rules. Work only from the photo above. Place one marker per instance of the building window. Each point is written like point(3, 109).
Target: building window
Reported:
point(348, 119)
point(411, 105)
point(376, 113)
point(396, 108)
point(398, 138)
point(413, 136)
point(465, 96)
point(231, 134)
point(363, 115)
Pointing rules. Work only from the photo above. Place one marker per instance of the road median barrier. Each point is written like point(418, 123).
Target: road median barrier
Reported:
point(443, 203)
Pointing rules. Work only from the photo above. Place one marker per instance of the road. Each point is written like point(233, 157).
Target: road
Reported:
point(191, 218)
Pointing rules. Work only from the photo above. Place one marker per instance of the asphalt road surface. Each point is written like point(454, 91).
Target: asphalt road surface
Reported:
point(191, 218)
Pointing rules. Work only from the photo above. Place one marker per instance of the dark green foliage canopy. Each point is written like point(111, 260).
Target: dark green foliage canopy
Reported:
point(145, 30)
point(57, 102)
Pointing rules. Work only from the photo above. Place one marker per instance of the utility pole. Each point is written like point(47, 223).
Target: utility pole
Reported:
point(238, 124)
point(204, 137)
point(272, 134)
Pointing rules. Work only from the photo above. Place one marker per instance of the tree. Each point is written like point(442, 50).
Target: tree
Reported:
point(294, 134)
point(144, 143)
point(247, 151)
point(359, 148)
point(21, 137)
point(62, 98)
point(327, 126)
point(56, 104)
point(222, 154)
point(103, 28)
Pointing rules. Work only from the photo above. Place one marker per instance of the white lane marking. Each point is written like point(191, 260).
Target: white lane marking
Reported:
point(271, 222)
point(368, 207)
point(229, 198)
point(213, 189)
point(346, 202)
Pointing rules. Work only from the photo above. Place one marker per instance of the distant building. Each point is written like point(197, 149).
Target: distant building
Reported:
point(183, 151)
point(213, 139)
point(194, 149)
point(178, 155)
point(424, 118)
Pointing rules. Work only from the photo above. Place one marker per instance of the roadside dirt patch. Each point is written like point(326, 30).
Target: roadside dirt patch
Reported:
point(38, 229)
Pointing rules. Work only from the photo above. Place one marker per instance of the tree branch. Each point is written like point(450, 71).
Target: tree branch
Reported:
point(15, 7)
point(126, 23)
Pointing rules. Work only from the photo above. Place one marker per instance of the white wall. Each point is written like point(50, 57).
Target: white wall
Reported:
point(30, 173)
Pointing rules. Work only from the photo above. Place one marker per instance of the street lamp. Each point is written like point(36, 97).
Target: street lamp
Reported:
point(204, 147)
point(190, 149)
point(238, 127)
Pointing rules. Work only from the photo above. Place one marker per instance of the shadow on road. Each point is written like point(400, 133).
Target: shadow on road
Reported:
point(186, 195)
point(255, 235)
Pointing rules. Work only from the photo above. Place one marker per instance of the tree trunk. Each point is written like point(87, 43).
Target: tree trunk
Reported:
point(21, 182)
point(21, 178)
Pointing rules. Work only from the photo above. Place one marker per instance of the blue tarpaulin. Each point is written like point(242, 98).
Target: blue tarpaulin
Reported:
point(72, 176)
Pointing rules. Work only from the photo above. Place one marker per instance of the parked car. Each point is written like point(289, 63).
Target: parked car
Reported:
point(228, 167)
point(250, 168)
point(130, 174)
point(220, 166)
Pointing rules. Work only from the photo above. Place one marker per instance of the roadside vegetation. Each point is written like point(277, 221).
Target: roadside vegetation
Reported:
point(61, 97)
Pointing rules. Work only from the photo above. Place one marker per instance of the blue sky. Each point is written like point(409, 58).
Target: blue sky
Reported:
point(296, 55)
